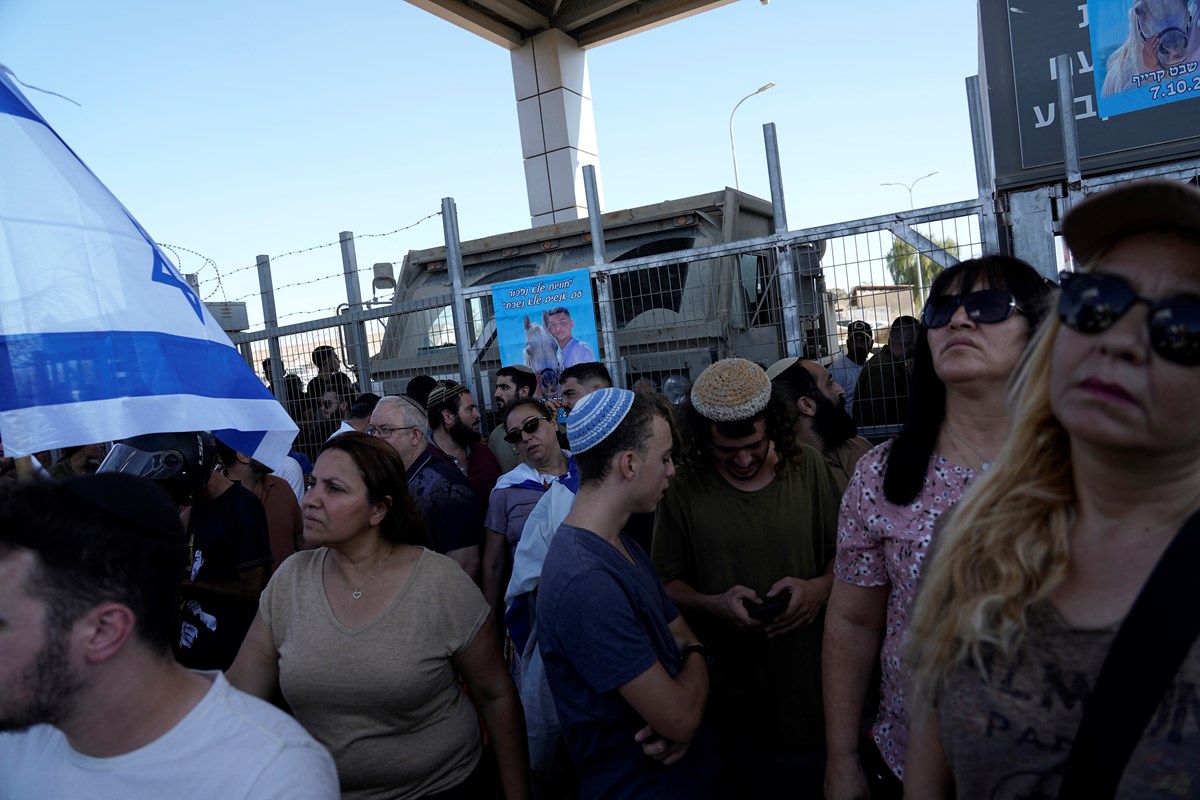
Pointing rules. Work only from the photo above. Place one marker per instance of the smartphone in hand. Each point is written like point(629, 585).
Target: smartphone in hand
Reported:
point(771, 607)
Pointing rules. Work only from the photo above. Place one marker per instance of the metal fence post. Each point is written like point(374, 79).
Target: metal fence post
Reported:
point(468, 367)
point(1066, 108)
point(266, 289)
point(608, 316)
point(784, 263)
point(989, 232)
point(358, 342)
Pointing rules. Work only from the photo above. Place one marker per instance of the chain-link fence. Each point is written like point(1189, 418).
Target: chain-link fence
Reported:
point(669, 311)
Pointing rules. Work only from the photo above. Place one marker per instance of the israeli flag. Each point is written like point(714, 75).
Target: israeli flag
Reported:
point(100, 336)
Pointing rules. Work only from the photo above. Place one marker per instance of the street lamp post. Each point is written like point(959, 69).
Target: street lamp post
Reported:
point(737, 183)
point(909, 187)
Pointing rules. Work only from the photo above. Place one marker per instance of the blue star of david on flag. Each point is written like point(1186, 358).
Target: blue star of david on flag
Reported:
point(90, 350)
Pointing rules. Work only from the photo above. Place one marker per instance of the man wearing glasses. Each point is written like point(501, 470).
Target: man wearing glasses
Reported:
point(447, 504)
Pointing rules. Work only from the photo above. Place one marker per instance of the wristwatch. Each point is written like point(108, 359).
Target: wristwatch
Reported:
point(696, 647)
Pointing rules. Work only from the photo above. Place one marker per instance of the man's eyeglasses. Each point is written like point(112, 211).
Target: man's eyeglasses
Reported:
point(986, 306)
point(527, 427)
point(386, 431)
point(1092, 303)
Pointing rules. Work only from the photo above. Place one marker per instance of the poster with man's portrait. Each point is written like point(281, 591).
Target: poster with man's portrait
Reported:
point(547, 323)
point(1145, 53)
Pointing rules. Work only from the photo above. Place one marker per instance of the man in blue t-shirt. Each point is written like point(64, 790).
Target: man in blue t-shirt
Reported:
point(628, 676)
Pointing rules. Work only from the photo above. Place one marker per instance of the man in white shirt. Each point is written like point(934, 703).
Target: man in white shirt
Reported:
point(92, 702)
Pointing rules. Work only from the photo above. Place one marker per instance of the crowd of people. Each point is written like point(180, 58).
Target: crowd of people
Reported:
point(736, 596)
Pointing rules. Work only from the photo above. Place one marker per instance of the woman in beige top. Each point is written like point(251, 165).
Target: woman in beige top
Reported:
point(371, 636)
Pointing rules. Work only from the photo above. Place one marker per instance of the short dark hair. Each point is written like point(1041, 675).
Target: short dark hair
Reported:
point(419, 387)
point(780, 416)
point(363, 405)
point(586, 372)
point(633, 433)
point(322, 354)
point(225, 454)
point(521, 378)
point(557, 310)
point(87, 555)
point(448, 401)
point(384, 475)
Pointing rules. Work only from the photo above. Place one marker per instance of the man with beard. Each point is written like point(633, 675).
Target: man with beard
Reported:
point(92, 703)
point(744, 543)
point(454, 437)
point(513, 383)
point(823, 421)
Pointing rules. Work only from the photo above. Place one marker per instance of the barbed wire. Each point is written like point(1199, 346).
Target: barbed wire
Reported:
point(315, 247)
point(221, 288)
point(175, 248)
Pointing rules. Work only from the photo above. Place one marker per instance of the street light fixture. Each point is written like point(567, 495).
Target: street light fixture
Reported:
point(737, 184)
point(909, 187)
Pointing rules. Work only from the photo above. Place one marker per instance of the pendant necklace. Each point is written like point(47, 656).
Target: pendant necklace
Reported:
point(357, 593)
point(954, 441)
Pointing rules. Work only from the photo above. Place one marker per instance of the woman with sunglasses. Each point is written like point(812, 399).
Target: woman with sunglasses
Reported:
point(529, 427)
point(975, 327)
point(371, 637)
point(1019, 621)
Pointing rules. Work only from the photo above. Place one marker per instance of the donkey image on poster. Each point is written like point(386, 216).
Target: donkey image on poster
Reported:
point(541, 356)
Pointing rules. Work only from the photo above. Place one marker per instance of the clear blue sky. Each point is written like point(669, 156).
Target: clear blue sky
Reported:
point(239, 128)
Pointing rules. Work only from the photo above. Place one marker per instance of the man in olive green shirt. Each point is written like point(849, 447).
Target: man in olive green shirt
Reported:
point(753, 519)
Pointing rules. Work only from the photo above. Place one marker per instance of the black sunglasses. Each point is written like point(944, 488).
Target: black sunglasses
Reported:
point(528, 426)
point(986, 305)
point(1093, 303)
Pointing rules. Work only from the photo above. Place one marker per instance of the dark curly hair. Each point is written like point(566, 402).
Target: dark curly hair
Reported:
point(780, 415)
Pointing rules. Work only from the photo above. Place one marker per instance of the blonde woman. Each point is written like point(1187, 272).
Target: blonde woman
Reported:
point(1031, 579)
point(976, 325)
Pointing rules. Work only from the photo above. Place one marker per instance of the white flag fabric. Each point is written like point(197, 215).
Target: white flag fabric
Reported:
point(100, 336)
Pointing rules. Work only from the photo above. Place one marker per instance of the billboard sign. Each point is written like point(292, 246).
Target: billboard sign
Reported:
point(1020, 42)
point(1147, 54)
point(547, 323)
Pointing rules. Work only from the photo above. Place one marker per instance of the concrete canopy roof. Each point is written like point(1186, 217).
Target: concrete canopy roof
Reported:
point(509, 23)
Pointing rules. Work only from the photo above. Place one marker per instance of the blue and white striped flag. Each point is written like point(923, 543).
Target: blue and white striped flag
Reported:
point(100, 336)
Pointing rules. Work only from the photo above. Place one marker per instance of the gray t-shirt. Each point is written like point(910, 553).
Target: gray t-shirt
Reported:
point(384, 698)
point(1009, 737)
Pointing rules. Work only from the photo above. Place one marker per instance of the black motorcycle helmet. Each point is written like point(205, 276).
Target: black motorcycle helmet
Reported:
point(179, 462)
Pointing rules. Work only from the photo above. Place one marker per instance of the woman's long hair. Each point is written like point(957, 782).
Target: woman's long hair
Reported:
point(1004, 546)
point(911, 449)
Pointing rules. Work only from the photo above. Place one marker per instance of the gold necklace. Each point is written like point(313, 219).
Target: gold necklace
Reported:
point(357, 593)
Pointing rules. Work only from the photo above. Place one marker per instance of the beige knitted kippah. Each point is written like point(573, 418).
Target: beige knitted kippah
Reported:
point(731, 389)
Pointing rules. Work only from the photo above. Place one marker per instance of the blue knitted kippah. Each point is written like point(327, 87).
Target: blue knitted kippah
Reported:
point(596, 416)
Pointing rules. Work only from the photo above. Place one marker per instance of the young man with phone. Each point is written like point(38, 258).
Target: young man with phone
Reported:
point(744, 542)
